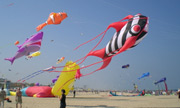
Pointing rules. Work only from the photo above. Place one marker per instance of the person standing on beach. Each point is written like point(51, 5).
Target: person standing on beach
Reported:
point(18, 98)
point(62, 98)
point(178, 93)
point(74, 93)
point(2, 97)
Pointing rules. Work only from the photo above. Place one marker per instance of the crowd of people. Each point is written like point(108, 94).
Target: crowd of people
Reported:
point(62, 98)
point(18, 98)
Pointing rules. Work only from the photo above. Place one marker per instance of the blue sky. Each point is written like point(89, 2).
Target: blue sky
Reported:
point(158, 53)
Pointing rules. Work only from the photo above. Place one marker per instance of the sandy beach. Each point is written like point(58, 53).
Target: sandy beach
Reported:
point(101, 100)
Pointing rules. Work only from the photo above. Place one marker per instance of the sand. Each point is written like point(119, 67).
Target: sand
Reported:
point(102, 100)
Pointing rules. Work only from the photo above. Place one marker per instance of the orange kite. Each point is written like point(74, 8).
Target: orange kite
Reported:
point(54, 18)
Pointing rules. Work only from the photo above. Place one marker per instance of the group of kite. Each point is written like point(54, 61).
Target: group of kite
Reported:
point(33, 44)
point(129, 32)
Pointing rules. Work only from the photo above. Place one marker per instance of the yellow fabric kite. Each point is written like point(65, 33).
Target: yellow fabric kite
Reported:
point(34, 54)
point(66, 79)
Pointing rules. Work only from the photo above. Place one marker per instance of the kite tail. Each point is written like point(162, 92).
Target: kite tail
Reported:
point(89, 41)
point(100, 53)
point(84, 58)
point(166, 87)
point(127, 17)
point(38, 28)
point(105, 61)
point(93, 47)
point(70, 63)
point(10, 59)
point(81, 67)
point(114, 25)
point(105, 64)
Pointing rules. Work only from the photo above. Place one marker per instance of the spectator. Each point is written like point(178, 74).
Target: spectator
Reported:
point(2, 97)
point(18, 98)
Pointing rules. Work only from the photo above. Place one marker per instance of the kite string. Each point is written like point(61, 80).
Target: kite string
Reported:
point(69, 64)
point(89, 73)
point(83, 67)
point(33, 76)
point(29, 75)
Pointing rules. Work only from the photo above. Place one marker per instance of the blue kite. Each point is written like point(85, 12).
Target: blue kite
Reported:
point(144, 75)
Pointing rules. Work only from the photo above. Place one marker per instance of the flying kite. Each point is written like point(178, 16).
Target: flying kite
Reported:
point(60, 60)
point(16, 43)
point(36, 84)
point(144, 75)
point(126, 66)
point(32, 44)
point(34, 54)
point(130, 31)
point(165, 84)
point(66, 79)
point(114, 94)
point(54, 18)
point(54, 80)
point(10, 4)
point(161, 80)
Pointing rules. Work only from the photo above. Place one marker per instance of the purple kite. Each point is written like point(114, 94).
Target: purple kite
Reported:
point(37, 84)
point(165, 84)
point(54, 80)
point(161, 80)
point(32, 44)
